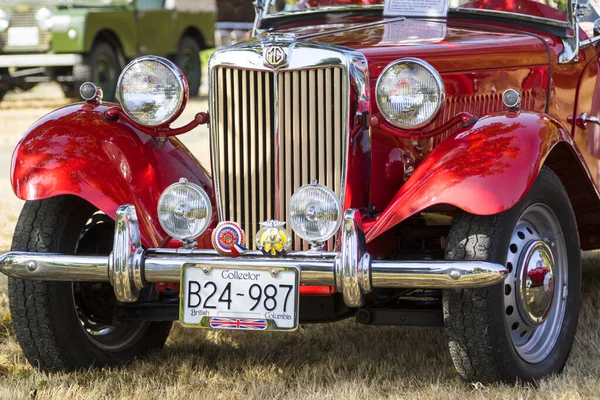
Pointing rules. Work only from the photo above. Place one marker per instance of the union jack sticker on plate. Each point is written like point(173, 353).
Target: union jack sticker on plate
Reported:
point(238, 323)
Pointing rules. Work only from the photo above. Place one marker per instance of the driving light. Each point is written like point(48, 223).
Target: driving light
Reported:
point(184, 210)
point(315, 213)
point(152, 91)
point(409, 93)
point(44, 16)
point(4, 20)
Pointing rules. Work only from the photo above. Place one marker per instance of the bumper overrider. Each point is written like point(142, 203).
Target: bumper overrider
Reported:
point(130, 267)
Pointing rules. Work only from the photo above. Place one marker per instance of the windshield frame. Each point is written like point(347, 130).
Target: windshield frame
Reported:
point(265, 15)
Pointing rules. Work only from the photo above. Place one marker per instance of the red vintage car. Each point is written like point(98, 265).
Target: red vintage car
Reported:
point(406, 169)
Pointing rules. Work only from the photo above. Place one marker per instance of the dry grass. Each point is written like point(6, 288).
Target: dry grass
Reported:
point(341, 360)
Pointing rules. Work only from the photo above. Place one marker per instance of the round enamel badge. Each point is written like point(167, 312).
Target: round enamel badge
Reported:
point(228, 239)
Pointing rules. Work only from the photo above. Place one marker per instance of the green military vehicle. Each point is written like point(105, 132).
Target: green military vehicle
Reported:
point(72, 41)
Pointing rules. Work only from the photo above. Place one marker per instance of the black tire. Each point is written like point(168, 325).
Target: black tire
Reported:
point(188, 59)
point(49, 317)
point(485, 343)
point(102, 66)
point(4, 89)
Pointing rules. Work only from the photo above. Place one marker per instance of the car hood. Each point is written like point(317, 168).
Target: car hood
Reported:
point(448, 46)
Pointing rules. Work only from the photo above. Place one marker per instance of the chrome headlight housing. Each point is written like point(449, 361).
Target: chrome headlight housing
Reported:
point(152, 91)
point(44, 17)
point(4, 20)
point(409, 93)
point(184, 210)
point(315, 213)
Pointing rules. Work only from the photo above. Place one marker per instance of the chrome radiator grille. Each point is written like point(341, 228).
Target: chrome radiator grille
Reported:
point(266, 144)
point(25, 19)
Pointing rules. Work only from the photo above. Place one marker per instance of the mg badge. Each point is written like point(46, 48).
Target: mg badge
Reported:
point(272, 239)
point(275, 56)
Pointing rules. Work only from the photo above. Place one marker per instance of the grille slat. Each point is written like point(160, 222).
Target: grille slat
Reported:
point(321, 117)
point(312, 95)
point(261, 145)
point(263, 157)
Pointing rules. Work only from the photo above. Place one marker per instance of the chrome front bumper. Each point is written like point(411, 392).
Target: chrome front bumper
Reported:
point(130, 267)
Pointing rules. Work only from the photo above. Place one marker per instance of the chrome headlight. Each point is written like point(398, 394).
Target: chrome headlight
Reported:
point(184, 210)
point(409, 93)
point(4, 20)
point(152, 91)
point(44, 17)
point(315, 213)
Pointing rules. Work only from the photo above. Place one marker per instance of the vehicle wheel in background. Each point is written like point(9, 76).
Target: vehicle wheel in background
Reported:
point(3, 90)
point(102, 66)
point(522, 329)
point(66, 325)
point(188, 59)
point(70, 89)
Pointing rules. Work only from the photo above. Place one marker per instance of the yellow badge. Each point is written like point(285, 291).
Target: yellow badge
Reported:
point(272, 239)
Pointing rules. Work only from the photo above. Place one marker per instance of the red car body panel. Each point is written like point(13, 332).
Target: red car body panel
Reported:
point(482, 170)
point(75, 151)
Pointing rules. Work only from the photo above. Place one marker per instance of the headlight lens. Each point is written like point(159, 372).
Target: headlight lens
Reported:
point(43, 16)
point(184, 210)
point(4, 20)
point(152, 91)
point(315, 213)
point(410, 93)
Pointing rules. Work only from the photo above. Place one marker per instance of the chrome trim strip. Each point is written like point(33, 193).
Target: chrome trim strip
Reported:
point(590, 41)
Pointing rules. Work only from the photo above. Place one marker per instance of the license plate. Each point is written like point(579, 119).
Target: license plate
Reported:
point(239, 298)
point(23, 37)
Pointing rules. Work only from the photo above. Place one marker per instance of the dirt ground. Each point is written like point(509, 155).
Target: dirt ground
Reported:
point(341, 360)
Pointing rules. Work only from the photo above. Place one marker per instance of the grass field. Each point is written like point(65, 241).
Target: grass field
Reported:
point(341, 360)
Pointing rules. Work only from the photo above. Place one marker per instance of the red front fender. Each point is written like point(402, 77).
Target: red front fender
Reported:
point(75, 151)
point(483, 170)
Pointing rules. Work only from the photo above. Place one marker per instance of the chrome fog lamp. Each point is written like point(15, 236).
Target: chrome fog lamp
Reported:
point(409, 93)
point(44, 17)
point(152, 91)
point(184, 210)
point(315, 213)
point(4, 20)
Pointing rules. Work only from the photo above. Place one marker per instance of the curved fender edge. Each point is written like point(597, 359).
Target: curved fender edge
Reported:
point(75, 151)
point(483, 170)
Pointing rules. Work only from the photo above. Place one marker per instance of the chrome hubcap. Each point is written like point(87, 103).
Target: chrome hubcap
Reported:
point(536, 289)
point(533, 293)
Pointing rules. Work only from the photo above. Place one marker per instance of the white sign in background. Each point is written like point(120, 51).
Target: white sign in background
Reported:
point(410, 32)
point(416, 8)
